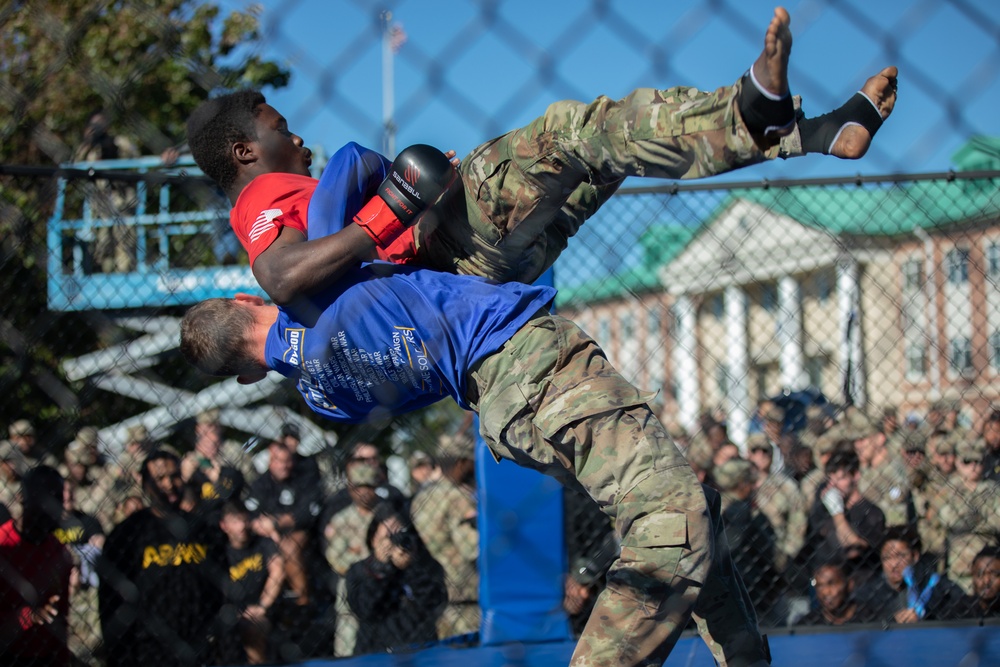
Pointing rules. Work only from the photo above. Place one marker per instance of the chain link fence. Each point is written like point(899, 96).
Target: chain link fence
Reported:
point(824, 352)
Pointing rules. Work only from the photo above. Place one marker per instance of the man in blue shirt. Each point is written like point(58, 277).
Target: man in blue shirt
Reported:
point(388, 339)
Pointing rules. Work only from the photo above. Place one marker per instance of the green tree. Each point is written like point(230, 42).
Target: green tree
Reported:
point(146, 64)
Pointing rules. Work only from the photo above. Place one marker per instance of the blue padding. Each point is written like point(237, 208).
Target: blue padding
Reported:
point(941, 646)
point(522, 552)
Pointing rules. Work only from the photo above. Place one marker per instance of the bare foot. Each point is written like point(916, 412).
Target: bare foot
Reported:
point(771, 67)
point(854, 140)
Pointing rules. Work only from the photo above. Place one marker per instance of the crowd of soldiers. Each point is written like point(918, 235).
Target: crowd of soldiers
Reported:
point(313, 515)
point(814, 516)
point(830, 493)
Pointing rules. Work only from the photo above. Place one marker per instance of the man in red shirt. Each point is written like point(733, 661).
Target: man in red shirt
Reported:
point(34, 586)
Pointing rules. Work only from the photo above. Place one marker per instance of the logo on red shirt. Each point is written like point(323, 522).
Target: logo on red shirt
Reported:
point(264, 223)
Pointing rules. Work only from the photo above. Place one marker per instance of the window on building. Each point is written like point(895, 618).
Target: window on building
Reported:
point(957, 265)
point(769, 297)
point(995, 350)
point(824, 286)
point(993, 260)
point(653, 323)
point(718, 306)
point(814, 370)
point(722, 379)
point(961, 354)
point(604, 332)
point(628, 327)
point(916, 361)
point(913, 275)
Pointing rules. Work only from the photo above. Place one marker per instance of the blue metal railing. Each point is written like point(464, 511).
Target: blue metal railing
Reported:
point(138, 233)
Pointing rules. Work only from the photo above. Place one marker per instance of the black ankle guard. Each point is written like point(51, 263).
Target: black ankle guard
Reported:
point(820, 133)
point(761, 114)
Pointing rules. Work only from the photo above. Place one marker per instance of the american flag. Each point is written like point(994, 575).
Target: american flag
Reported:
point(397, 37)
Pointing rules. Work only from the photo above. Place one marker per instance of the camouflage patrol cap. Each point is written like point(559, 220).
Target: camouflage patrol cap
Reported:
point(939, 405)
point(858, 425)
point(459, 446)
point(87, 436)
point(971, 449)
point(420, 458)
point(826, 443)
point(21, 427)
point(758, 441)
point(943, 444)
point(915, 441)
point(676, 431)
point(137, 433)
point(210, 416)
point(814, 411)
point(734, 472)
point(8, 452)
point(78, 453)
point(363, 475)
point(699, 454)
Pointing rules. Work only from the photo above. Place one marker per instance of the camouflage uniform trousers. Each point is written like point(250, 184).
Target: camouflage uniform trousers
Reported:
point(527, 192)
point(550, 400)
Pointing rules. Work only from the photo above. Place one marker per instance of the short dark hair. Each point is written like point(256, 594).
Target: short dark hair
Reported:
point(989, 551)
point(215, 125)
point(843, 459)
point(213, 337)
point(158, 455)
point(290, 430)
point(908, 535)
point(231, 507)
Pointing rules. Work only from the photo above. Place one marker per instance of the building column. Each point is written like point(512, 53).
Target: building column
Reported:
point(789, 334)
point(685, 362)
point(849, 311)
point(738, 364)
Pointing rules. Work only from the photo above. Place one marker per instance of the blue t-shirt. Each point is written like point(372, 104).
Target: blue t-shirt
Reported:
point(349, 180)
point(394, 338)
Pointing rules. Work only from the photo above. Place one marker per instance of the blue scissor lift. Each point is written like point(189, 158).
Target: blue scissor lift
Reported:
point(162, 215)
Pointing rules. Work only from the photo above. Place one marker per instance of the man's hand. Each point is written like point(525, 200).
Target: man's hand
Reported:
point(906, 616)
point(400, 557)
point(833, 501)
point(41, 615)
point(256, 614)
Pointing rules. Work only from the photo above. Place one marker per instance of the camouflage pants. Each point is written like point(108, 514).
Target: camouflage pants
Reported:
point(527, 192)
point(551, 401)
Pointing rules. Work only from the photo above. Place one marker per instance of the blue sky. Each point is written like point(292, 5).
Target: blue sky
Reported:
point(471, 70)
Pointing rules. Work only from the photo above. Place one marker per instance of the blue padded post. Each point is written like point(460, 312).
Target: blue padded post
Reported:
point(522, 553)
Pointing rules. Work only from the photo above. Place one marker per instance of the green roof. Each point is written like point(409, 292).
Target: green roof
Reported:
point(660, 244)
point(860, 210)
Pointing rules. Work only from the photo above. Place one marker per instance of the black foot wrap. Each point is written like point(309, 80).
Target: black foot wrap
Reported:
point(820, 133)
point(761, 114)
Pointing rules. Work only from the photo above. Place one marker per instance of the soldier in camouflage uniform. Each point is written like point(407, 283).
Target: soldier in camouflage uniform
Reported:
point(344, 534)
point(969, 513)
point(22, 436)
point(92, 482)
point(12, 468)
point(884, 478)
point(779, 499)
point(927, 497)
point(445, 516)
point(823, 447)
point(203, 465)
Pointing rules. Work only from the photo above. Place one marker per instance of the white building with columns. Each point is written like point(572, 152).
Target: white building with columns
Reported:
point(890, 293)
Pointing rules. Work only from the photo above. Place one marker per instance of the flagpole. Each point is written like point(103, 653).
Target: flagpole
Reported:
point(388, 125)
